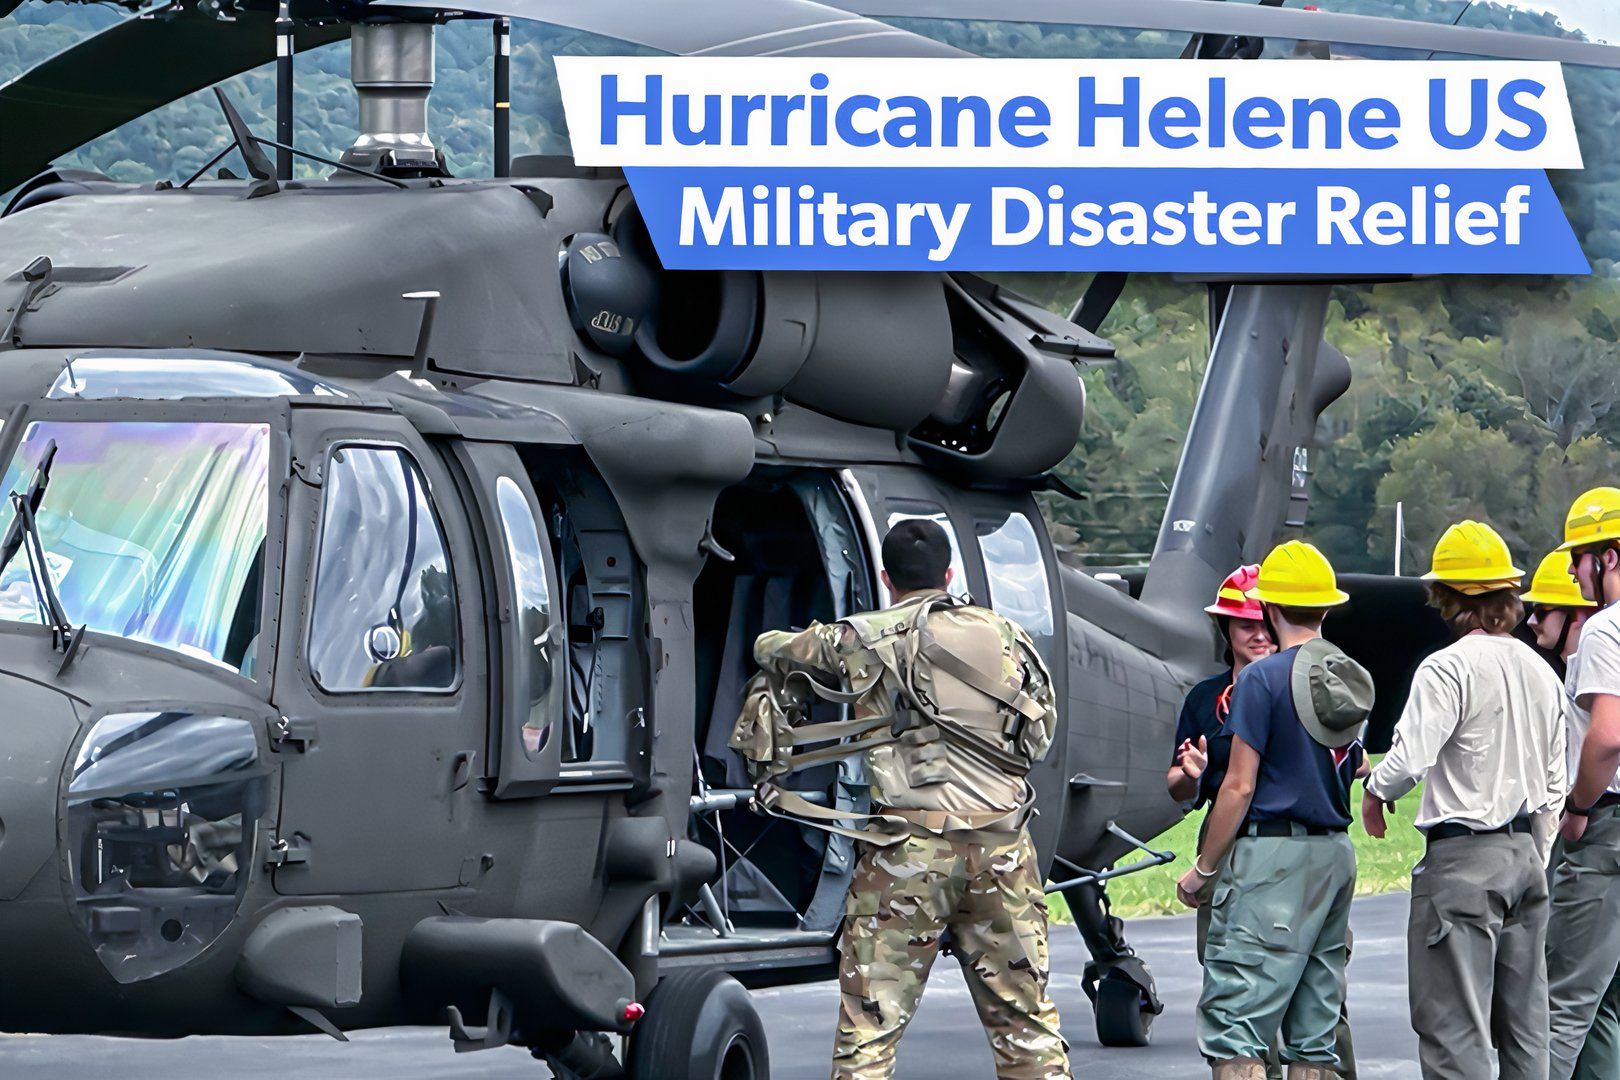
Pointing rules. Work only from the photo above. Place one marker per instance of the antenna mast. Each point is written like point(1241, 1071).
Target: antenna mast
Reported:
point(503, 97)
point(284, 90)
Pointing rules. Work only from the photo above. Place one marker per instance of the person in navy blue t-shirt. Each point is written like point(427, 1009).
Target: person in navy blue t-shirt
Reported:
point(1280, 905)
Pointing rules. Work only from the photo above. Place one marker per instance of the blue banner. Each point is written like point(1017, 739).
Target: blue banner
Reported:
point(1230, 221)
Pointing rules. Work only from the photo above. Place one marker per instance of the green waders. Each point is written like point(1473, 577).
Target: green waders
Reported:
point(1583, 937)
point(1277, 948)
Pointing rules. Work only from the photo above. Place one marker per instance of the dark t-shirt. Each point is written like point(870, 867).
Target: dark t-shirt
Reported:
point(1299, 780)
point(1199, 718)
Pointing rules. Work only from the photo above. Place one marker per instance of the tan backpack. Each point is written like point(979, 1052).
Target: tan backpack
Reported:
point(974, 709)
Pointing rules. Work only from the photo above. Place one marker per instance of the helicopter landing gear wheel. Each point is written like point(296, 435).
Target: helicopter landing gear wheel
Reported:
point(700, 1025)
point(1123, 1018)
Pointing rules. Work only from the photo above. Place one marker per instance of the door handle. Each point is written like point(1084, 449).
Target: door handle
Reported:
point(462, 769)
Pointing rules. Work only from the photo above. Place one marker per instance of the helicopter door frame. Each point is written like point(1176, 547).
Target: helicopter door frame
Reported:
point(888, 494)
point(375, 791)
point(513, 771)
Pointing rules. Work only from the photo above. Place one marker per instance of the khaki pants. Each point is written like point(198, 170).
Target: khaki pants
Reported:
point(1277, 949)
point(901, 900)
point(1476, 958)
point(1583, 937)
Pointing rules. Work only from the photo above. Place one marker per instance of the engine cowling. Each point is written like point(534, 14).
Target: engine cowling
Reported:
point(980, 380)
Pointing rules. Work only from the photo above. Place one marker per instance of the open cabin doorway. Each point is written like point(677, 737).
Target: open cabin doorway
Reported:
point(798, 558)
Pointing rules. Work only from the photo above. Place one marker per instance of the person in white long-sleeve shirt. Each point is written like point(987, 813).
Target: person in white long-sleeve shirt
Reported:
point(1484, 725)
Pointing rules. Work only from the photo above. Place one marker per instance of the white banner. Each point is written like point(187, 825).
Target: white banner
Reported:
point(1197, 114)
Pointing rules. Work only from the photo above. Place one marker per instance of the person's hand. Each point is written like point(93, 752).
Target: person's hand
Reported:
point(1194, 888)
point(1364, 770)
point(1372, 815)
point(1193, 759)
point(1573, 828)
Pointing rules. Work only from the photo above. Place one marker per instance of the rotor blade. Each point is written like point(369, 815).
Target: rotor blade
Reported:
point(721, 28)
point(1255, 20)
point(124, 72)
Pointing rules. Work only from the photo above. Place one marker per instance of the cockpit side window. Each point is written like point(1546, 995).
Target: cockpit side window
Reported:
point(384, 615)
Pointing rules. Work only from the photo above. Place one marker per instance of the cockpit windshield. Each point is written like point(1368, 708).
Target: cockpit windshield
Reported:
point(151, 531)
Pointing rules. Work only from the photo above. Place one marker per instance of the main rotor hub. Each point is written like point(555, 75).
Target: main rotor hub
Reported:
point(391, 65)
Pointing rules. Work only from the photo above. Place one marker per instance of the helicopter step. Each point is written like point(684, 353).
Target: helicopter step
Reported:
point(745, 950)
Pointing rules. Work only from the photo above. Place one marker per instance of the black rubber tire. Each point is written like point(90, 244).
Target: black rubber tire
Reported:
point(700, 1025)
point(1122, 1019)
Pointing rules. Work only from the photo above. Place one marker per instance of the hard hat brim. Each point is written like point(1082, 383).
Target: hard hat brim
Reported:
point(1529, 595)
point(1608, 537)
point(1325, 598)
point(1215, 609)
point(1473, 577)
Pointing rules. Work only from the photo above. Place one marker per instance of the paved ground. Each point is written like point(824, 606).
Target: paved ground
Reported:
point(944, 1041)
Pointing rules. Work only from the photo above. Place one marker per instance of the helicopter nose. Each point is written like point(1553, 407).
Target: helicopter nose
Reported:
point(37, 726)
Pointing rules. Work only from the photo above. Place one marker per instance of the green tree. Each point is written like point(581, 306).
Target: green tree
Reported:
point(1452, 471)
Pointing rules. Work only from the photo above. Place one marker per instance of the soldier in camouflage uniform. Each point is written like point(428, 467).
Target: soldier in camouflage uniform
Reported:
point(950, 705)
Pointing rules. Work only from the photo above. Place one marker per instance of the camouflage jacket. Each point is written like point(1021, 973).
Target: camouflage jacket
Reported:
point(872, 657)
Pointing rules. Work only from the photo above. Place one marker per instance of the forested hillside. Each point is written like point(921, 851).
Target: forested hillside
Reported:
point(1486, 397)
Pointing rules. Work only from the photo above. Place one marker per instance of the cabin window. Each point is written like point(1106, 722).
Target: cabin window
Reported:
point(384, 614)
point(1017, 573)
point(532, 598)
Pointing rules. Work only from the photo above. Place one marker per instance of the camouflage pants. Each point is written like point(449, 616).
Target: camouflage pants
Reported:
point(901, 900)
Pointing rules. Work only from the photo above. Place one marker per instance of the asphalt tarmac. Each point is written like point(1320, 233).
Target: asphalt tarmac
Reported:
point(943, 1043)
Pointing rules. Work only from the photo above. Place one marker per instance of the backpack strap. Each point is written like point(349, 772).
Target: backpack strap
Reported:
point(890, 825)
point(780, 803)
point(953, 665)
point(880, 733)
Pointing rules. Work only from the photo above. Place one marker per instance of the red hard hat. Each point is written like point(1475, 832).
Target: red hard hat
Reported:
point(1232, 598)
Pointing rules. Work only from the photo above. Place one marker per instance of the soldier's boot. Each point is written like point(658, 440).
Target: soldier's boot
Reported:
point(1305, 1070)
point(1239, 1069)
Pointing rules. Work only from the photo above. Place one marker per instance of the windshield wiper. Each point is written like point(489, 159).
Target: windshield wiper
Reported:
point(24, 530)
point(34, 496)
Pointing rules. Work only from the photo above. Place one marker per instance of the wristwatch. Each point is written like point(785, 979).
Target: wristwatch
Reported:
point(1579, 811)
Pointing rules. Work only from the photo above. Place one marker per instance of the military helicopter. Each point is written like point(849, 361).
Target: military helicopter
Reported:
point(382, 552)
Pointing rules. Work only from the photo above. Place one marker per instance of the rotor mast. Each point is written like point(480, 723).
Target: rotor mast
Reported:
point(391, 65)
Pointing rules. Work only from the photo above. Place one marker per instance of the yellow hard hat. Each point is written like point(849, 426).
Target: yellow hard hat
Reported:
point(1471, 552)
point(1295, 574)
point(1593, 517)
point(1553, 586)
